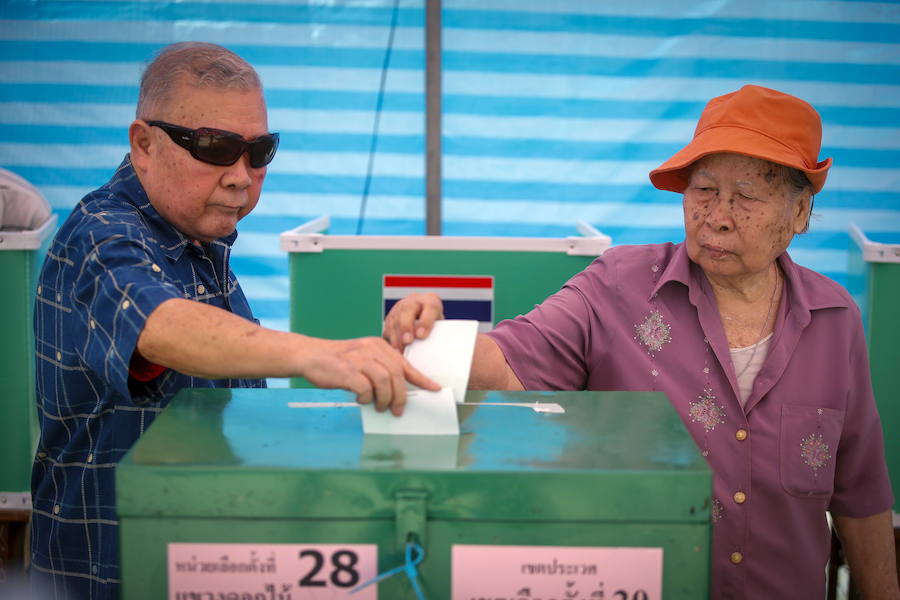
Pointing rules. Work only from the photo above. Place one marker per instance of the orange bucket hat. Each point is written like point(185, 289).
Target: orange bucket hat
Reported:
point(757, 122)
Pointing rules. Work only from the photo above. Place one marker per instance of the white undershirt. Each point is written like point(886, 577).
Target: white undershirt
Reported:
point(741, 357)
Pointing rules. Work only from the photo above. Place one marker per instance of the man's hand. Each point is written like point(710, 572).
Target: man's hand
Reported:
point(368, 367)
point(412, 318)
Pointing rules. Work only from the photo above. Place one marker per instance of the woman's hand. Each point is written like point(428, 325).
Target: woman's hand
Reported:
point(412, 318)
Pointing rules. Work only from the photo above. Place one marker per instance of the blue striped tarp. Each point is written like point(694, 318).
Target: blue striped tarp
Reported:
point(553, 111)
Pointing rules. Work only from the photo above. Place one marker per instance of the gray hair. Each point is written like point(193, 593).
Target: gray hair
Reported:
point(191, 63)
point(797, 183)
point(795, 179)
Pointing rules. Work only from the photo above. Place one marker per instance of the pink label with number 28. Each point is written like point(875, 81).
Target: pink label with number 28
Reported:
point(271, 571)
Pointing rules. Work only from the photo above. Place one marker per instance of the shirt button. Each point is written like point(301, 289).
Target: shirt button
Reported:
point(737, 558)
point(59, 356)
point(42, 455)
point(125, 304)
point(59, 297)
point(90, 458)
point(56, 509)
point(92, 323)
point(155, 268)
point(39, 290)
point(740, 435)
point(740, 497)
point(201, 289)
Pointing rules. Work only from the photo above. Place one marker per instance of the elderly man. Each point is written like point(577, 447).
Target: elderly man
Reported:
point(136, 301)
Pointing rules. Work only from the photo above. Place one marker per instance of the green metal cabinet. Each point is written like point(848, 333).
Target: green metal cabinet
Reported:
point(617, 469)
point(21, 255)
point(874, 281)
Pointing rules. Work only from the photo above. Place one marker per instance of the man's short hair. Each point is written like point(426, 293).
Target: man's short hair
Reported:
point(194, 64)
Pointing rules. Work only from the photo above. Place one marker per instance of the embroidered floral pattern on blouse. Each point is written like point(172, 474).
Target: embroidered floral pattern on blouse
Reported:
point(653, 332)
point(717, 510)
point(707, 411)
point(814, 451)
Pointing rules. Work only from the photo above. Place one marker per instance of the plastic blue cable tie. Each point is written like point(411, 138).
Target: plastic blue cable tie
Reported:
point(413, 556)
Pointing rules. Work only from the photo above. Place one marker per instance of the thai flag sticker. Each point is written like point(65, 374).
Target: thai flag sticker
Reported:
point(464, 296)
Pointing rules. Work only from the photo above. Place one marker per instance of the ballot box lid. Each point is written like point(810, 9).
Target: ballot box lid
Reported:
point(257, 454)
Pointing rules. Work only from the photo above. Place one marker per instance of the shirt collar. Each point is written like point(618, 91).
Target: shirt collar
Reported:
point(678, 269)
point(127, 185)
point(809, 290)
point(806, 293)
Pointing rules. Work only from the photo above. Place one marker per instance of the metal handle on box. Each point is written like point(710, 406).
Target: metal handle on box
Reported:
point(411, 514)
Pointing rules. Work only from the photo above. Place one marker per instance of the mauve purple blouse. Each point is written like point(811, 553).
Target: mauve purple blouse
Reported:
point(809, 440)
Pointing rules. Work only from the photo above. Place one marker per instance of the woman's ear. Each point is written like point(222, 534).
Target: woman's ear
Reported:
point(803, 211)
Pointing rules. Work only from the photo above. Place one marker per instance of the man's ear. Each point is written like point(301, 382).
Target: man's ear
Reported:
point(141, 140)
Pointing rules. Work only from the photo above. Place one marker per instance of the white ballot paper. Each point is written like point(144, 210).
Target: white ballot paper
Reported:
point(445, 356)
point(426, 413)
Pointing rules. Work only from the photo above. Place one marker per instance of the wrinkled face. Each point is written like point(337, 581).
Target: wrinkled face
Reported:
point(202, 201)
point(739, 214)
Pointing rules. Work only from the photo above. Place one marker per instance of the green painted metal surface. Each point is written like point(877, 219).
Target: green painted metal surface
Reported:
point(337, 293)
point(18, 426)
point(617, 469)
point(876, 287)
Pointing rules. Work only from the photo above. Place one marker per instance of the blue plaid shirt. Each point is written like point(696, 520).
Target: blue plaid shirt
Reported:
point(110, 265)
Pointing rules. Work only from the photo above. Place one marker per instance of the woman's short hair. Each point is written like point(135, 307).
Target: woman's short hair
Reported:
point(195, 64)
point(798, 183)
point(796, 179)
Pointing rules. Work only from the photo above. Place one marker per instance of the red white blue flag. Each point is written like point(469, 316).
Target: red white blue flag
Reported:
point(464, 296)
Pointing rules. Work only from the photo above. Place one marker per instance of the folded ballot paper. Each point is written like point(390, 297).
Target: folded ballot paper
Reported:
point(445, 356)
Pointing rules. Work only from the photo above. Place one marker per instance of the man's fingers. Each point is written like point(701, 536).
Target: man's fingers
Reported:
point(395, 369)
point(398, 381)
point(378, 373)
point(382, 384)
point(361, 386)
point(416, 377)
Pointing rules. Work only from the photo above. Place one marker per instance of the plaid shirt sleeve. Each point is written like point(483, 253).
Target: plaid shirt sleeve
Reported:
point(119, 284)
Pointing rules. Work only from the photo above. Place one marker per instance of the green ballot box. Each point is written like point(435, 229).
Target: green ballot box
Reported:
point(279, 494)
point(343, 285)
point(21, 255)
point(874, 281)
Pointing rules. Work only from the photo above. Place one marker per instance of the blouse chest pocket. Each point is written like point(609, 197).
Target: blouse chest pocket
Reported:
point(809, 441)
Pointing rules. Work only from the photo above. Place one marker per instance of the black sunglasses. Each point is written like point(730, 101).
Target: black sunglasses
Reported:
point(218, 147)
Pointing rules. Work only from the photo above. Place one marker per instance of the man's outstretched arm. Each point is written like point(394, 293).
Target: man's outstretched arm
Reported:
point(202, 340)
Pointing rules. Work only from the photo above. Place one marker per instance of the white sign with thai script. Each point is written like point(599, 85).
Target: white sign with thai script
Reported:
point(271, 571)
point(513, 572)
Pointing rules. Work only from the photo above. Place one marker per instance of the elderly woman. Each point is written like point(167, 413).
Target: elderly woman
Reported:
point(764, 360)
